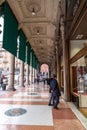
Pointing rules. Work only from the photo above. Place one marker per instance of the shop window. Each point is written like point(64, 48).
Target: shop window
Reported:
point(79, 76)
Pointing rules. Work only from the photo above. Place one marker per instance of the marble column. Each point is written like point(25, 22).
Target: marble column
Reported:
point(65, 63)
point(55, 61)
point(11, 73)
point(58, 65)
point(31, 71)
point(33, 75)
point(50, 71)
point(27, 75)
point(22, 74)
point(53, 70)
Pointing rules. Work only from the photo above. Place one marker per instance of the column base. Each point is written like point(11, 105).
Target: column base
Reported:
point(21, 86)
point(11, 89)
point(27, 85)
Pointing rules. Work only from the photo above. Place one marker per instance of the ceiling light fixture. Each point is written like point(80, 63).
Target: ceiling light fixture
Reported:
point(33, 12)
point(40, 43)
point(38, 32)
point(60, 1)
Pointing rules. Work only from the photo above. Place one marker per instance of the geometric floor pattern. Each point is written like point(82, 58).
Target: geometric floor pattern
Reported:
point(32, 115)
point(27, 109)
point(32, 94)
point(24, 99)
point(78, 114)
point(67, 124)
point(15, 112)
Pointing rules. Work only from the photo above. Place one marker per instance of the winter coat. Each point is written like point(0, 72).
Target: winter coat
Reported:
point(55, 87)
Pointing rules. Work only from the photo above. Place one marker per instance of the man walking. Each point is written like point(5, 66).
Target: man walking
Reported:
point(55, 91)
point(51, 95)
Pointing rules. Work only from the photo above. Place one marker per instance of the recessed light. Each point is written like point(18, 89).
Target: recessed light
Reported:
point(33, 12)
point(38, 32)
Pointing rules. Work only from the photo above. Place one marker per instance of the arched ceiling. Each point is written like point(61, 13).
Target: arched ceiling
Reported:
point(39, 28)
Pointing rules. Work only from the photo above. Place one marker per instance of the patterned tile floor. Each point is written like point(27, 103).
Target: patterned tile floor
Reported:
point(37, 114)
point(17, 117)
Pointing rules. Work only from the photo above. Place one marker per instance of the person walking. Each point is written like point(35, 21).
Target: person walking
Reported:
point(55, 91)
point(50, 103)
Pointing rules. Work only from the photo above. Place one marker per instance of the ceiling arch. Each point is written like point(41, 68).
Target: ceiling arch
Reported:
point(40, 27)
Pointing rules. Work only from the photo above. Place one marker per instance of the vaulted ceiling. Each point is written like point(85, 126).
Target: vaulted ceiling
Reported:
point(39, 28)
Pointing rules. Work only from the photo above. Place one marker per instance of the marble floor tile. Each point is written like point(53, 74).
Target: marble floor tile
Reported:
point(35, 115)
point(78, 114)
point(24, 99)
point(67, 124)
point(33, 94)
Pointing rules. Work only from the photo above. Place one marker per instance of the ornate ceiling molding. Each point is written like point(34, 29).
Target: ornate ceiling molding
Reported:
point(39, 28)
point(33, 4)
point(27, 7)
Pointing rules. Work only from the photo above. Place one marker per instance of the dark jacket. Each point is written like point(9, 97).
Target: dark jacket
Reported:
point(49, 80)
point(55, 87)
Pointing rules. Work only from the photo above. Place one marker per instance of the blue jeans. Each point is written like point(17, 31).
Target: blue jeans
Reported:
point(56, 101)
point(51, 98)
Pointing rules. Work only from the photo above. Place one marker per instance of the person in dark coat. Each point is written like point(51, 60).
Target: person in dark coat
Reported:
point(55, 91)
point(50, 103)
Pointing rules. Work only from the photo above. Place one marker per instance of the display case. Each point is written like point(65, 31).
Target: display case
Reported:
point(79, 82)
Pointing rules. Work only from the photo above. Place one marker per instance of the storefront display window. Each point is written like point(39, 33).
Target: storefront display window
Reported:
point(79, 76)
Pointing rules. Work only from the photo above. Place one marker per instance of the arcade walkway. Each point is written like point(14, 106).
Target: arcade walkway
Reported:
point(27, 109)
